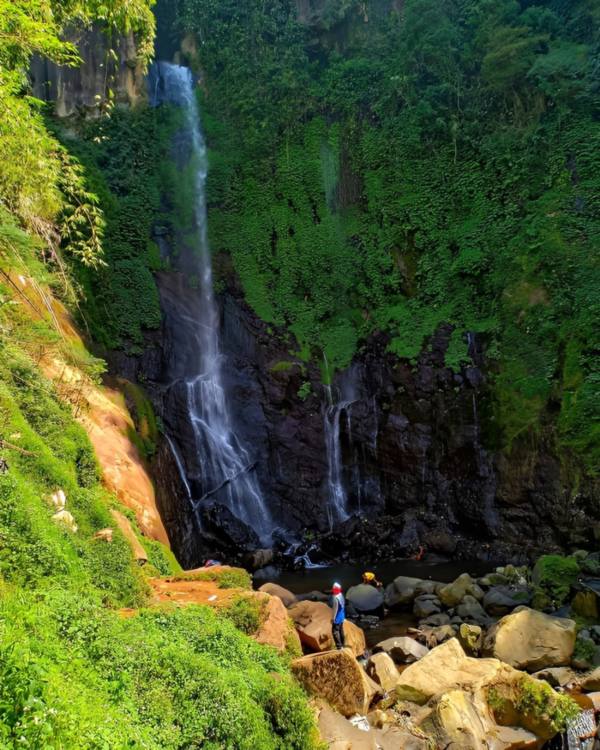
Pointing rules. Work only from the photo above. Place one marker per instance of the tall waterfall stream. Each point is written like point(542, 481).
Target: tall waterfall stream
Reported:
point(228, 474)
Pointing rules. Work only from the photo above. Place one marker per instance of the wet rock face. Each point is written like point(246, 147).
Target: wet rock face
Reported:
point(414, 463)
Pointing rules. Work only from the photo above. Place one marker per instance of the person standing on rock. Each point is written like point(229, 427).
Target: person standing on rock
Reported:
point(339, 616)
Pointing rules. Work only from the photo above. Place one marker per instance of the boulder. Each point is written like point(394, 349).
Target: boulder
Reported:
point(557, 676)
point(470, 638)
point(402, 650)
point(458, 692)
point(455, 722)
point(401, 592)
point(441, 634)
point(470, 610)
point(277, 629)
point(313, 623)
point(444, 668)
point(459, 720)
point(260, 558)
point(339, 734)
point(531, 640)
point(427, 587)
point(338, 678)
point(64, 518)
point(382, 670)
point(365, 598)
point(585, 604)
point(313, 596)
point(453, 593)
point(426, 605)
point(590, 682)
point(501, 600)
point(274, 589)
point(435, 621)
point(225, 529)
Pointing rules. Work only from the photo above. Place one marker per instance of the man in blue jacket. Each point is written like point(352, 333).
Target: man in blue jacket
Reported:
point(339, 615)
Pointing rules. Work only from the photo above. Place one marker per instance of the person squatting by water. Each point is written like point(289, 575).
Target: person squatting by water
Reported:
point(339, 615)
point(369, 579)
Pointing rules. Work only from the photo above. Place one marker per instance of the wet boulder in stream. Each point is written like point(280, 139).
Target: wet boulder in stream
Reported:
point(365, 598)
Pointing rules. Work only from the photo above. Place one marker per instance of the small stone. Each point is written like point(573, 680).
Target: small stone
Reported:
point(435, 621)
point(470, 638)
point(426, 605)
point(470, 610)
point(403, 650)
point(104, 535)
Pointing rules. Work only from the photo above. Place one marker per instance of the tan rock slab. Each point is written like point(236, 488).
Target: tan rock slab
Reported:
point(531, 640)
point(336, 677)
point(339, 734)
point(445, 668)
point(383, 671)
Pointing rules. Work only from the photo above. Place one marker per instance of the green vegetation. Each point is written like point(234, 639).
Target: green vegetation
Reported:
point(74, 673)
point(124, 155)
point(536, 698)
point(246, 613)
point(554, 575)
point(380, 171)
point(534, 701)
point(75, 219)
point(225, 578)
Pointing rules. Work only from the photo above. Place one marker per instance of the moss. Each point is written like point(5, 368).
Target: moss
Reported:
point(537, 699)
point(532, 704)
point(554, 575)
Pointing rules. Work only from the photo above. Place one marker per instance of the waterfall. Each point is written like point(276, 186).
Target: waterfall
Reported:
point(228, 471)
point(337, 507)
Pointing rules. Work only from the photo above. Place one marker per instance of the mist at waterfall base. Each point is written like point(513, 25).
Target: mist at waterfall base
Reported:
point(227, 473)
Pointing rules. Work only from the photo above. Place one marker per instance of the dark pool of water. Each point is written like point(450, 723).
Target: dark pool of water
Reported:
point(394, 624)
point(320, 579)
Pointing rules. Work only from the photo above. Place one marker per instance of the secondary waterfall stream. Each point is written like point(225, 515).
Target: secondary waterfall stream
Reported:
point(227, 468)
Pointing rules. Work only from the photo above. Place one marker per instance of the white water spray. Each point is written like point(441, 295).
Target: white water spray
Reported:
point(228, 471)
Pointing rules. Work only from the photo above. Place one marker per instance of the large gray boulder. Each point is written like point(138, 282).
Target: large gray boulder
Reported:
point(401, 592)
point(365, 598)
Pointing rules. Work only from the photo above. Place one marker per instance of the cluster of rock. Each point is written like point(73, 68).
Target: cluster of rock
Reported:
point(481, 669)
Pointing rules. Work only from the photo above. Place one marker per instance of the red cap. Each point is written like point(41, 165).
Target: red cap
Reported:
point(336, 588)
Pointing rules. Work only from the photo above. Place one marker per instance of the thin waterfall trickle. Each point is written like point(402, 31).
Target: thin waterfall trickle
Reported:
point(337, 507)
point(228, 470)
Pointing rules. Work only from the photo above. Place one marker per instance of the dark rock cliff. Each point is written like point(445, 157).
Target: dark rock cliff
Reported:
point(415, 466)
point(110, 71)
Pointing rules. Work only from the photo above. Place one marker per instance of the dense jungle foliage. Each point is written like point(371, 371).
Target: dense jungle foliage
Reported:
point(395, 165)
point(74, 672)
